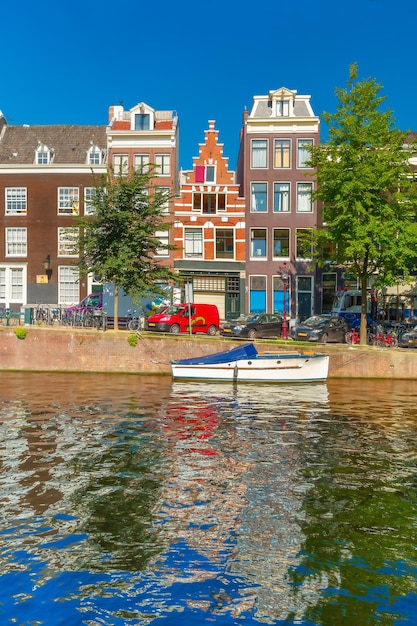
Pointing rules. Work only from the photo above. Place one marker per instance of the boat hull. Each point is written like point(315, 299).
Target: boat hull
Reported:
point(272, 368)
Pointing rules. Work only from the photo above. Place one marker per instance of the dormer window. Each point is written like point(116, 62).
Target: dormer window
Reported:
point(94, 156)
point(142, 121)
point(43, 155)
point(283, 108)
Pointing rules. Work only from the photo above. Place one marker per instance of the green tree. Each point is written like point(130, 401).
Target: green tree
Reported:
point(368, 189)
point(117, 241)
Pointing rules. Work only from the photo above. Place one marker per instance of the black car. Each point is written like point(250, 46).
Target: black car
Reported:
point(408, 339)
point(321, 329)
point(254, 326)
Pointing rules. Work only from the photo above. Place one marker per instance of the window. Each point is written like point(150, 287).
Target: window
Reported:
point(68, 285)
point(224, 243)
point(43, 155)
point(209, 203)
point(68, 200)
point(282, 153)
point(163, 236)
point(120, 164)
point(162, 197)
point(12, 285)
point(283, 108)
point(257, 294)
point(94, 156)
point(281, 197)
point(142, 121)
point(259, 197)
point(281, 242)
point(303, 152)
point(259, 153)
point(89, 193)
point(193, 242)
point(67, 241)
point(163, 164)
point(141, 162)
point(304, 202)
point(258, 243)
point(16, 201)
point(210, 174)
point(16, 241)
point(304, 244)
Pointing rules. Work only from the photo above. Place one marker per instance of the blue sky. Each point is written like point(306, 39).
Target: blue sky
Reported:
point(66, 62)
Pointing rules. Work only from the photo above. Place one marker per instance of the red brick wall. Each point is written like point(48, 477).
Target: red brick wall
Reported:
point(48, 349)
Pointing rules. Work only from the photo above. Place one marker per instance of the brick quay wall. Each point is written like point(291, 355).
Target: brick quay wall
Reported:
point(81, 350)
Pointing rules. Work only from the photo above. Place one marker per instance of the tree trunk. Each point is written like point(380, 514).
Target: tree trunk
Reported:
point(116, 307)
point(364, 311)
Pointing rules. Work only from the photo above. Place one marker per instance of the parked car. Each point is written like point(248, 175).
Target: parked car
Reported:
point(321, 329)
point(253, 326)
point(176, 319)
point(408, 339)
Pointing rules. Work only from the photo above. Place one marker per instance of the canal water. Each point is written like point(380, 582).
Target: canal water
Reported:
point(130, 500)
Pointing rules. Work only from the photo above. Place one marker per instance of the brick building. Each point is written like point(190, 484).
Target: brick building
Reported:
point(46, 177)
point(209, 230)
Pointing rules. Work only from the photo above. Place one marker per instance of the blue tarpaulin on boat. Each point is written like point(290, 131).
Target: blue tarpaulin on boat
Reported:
point(248, 351)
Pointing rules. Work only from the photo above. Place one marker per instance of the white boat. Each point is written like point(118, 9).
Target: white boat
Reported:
point(246, 364)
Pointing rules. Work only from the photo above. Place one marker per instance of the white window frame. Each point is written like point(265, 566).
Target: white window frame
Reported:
point(43, 155)
point(303, 155)
point(68, 284)
point(281, 256)
point(280, 148)
point(68, 200)
point(141, 162)
point(120, 164)
point(284, 196)
point(283, 108)
point(304, 199)
point(67, 238)
point(88, 194)
point(163, 164)
point(95, 156)
point(259, 154)
point(297, 256)
point(16, 201)
point(253, 201)
point(193, 247)
point(16, 239)
point(256, 253)
point(165, 207)
point(210, 178)
point(13, 280)
point(163, 236)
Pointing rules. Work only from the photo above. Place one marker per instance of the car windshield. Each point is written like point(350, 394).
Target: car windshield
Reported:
point(316, 320)
point(252, 319)
point(172, 310)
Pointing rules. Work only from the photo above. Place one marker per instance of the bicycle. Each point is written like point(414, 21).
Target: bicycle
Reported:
point(352, 337)
point(383, 338)
point(134, 322)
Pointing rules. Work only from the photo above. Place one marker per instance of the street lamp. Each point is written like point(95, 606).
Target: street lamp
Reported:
point(285, 281)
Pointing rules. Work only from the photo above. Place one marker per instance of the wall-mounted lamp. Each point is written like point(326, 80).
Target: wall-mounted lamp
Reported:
point(47, 263)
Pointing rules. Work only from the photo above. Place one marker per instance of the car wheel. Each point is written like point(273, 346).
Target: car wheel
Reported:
point(212, 330)
point(252, 333)
point(324, 338)
point(175, 329)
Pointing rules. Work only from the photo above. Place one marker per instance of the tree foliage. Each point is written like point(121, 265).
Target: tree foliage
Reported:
point(368, 190)
point(118, 241)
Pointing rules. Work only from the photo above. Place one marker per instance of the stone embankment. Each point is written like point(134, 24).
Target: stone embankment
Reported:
point(79, 350)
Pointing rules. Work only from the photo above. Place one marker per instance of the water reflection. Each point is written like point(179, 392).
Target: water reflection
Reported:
point(132, 499)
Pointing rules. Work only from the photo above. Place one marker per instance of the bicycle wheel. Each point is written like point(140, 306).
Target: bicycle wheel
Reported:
point(134, 324)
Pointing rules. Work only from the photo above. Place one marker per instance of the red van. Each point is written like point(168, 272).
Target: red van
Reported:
point(176, 319)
